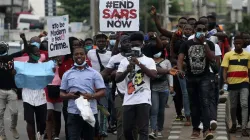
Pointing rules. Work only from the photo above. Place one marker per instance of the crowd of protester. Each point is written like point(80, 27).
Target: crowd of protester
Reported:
point(129, 79)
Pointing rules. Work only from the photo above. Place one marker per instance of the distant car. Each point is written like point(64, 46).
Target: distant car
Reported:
point(14, 47)
point(26, 22)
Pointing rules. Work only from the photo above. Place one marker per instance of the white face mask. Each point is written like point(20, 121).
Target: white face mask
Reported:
point(84, 63)
point(112, 42)
point(137, 50)
point(157, 55)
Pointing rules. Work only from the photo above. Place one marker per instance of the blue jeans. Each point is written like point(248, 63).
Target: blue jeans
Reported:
point(202, 95)
point(186, 104)
point(104, 101)
point(157, 110)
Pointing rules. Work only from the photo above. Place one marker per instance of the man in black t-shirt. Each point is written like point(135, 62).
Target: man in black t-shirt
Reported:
point(199, 52)
point(8, 89)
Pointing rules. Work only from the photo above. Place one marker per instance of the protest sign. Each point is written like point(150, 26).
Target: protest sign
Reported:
point(33, 75)
point(58, 36)
point(119, 15)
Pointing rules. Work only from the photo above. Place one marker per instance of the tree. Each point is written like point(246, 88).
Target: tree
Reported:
point(244, 26)
point(78, 10)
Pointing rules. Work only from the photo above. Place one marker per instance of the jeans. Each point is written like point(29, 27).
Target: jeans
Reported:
point(77, 127)
point(233, 95)
point(119, 115)
point(185, 96)
point(201, 91)
point(136, 116)
point(104, 101)
point(8, 97)
point(65, 116)
point(157, 110)
point(178, 97)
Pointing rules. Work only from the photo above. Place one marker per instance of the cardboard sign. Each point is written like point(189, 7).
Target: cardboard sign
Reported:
point(119, 15)
point(58, 36)
point(33, 75)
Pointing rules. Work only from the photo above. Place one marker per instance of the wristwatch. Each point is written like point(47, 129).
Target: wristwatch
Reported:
point(205, 43)
point(92, 96)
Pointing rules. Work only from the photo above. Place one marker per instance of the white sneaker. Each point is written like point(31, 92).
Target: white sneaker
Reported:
point(39, 136)
point(201, 126)
point(159, 135)
point(152, 135)
point(213, 125)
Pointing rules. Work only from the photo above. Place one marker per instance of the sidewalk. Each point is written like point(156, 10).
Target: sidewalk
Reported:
point(181, 132)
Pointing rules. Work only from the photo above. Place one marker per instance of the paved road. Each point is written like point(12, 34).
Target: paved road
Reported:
point(22, 125)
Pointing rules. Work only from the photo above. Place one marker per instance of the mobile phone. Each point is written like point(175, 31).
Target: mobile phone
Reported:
point(78, 93)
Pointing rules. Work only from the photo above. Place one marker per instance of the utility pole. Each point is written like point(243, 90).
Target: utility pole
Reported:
point(248, 7)
point(92, 17)
point(204, 8)
point(12, 14)
point(166, 14)
point(198, 9)
point(145, 16)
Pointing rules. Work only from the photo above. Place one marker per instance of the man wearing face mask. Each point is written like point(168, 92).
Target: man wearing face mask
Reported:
point(88, 44)
point(112, 40)
point(136, 71)
point(182, 99)
point(99, 58)
point(198, 53)
point(34, 100)
point(81, 80)
point(111, 68)
point(8, 89)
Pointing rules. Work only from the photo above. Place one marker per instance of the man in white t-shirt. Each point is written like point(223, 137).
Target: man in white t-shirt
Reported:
point(136, 72)
point(99, 58)
point(111, 69)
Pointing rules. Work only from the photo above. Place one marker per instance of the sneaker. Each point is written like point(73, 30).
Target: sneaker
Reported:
point(15, 133)
point(239, 126)
point(188, 122)
point(195, 134)
point(104, 134)
point(39, 136)
point(208, 135)
point(233, 129)
point(159, 135)
point(152, 135)
point(179, 118)
point(56, 138)
point(2, 137)
point(201, 126)
point(244, 133)
point(213, 125)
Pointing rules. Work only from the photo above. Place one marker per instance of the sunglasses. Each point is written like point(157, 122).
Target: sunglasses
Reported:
point(201, 29)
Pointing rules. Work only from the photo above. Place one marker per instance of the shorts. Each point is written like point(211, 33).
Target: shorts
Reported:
point(55, 106)
point(39, 111)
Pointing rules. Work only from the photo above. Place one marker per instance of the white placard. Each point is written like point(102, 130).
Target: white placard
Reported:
point(237, 4)
point(119, 15)
point(58, 36)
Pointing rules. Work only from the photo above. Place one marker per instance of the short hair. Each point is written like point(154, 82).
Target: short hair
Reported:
point(202, 17)
point(78, 48)
point(42, 46)
point(212, 17)
point(88, 39)
point(101, 36)
point(30, 48)
point(198, 23)
point(239, 36)
point(191, 19)
point(182, 18)
point(137, 36)
point(187, 25)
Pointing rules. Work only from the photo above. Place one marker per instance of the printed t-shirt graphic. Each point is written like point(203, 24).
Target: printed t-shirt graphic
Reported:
point(136, 84)
point(197, 59)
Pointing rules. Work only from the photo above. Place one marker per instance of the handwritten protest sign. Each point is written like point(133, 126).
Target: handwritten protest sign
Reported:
point(58, 36)
point(119, 15)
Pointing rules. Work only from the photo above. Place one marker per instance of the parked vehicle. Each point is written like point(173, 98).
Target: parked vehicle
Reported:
point(26, 22)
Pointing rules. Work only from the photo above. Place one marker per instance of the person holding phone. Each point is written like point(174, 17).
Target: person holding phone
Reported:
point(200, 84)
